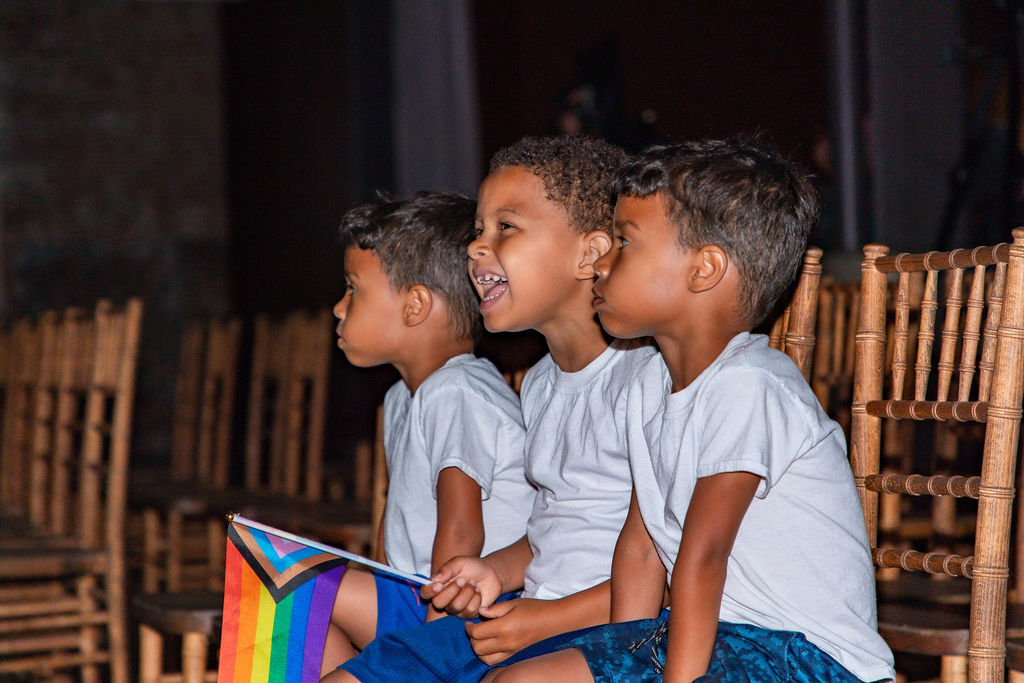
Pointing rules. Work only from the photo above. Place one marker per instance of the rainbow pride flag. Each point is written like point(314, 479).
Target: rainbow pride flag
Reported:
point(278, 595)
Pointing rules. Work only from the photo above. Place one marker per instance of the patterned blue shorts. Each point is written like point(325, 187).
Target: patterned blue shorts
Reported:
point(635, 651)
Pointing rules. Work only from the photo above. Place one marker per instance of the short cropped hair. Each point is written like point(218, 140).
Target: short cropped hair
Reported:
point(739, 194)
point(422, 240)
point(575, 171)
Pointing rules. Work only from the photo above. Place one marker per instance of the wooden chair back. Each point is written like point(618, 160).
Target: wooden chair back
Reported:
point(978, 377)
point(187, 390)
point(205, 401)
point(832, 376)
point(43, 418)
point(65, 604)
point(74, 359)
point(217, 402)
point(106, 427)
point(22, 376)
point(793, 332)
point(287, 405)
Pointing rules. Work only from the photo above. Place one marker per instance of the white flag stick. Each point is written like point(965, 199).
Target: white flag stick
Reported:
point(329, 549)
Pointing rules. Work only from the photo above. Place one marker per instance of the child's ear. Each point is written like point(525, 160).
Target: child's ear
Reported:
point(596, 244)
point(710, 263)
point(419, 301)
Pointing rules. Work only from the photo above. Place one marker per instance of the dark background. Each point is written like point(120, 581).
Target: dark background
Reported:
point(200, 154)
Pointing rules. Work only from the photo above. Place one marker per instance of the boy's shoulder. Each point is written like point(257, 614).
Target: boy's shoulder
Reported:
point(748, 369)
point(466, 371)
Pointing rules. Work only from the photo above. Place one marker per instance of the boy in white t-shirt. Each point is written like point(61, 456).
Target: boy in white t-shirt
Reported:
point(743, 498)
point(543, 217)
point(453, 430)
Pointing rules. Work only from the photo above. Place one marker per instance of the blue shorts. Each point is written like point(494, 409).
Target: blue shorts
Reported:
point(399, 605)
point(635, 651)
point(437, 651)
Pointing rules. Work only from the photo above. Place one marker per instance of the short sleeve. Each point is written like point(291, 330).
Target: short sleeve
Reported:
point(747, 418)
point(461, 429)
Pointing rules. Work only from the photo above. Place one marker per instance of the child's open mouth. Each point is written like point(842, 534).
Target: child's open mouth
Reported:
point(493, 287)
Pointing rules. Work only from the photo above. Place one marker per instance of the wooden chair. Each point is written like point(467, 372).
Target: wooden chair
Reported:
point(287, 406)
point(64, 346)
point(832, 376)
point(22, 375)
point(987, 386)
point(76, 618)
point(195, 617)
point(181, 546)
point(283, 481)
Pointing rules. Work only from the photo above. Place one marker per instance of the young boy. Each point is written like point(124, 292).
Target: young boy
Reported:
point(543, 218)
point(453, 432)
point(743, 498)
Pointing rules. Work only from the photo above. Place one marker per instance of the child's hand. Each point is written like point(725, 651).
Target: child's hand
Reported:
point(513, 625)
point(462, 586)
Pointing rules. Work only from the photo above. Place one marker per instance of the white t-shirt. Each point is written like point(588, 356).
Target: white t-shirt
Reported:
point(464, 415)
point(576, 457)
point(801, 560)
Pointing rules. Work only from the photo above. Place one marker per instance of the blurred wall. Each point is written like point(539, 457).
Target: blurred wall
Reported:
point(112, 170)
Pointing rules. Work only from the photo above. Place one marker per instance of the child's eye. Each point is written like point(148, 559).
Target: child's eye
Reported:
point(505, 226)
point(623, 242)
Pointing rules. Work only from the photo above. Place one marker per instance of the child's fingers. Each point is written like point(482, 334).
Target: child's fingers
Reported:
point(430, 590)
point(498, 609)
point(443, 575)
point(487, 643)
point(466, 602)
point(442, 594)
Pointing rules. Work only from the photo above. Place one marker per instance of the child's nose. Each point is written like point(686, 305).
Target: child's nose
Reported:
point(339, 308)
point(601, 266)
point(476, 248)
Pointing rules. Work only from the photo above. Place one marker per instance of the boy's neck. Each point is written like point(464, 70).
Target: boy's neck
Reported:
point(427, 359)
point(574, 341)
point(687, 357)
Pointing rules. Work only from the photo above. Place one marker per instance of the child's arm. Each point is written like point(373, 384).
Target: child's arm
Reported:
point(460, 525)
point(638, 575)
point(713, 519)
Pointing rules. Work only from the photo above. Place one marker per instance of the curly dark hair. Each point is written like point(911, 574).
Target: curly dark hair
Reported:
point(422, 240)
point(740, 194)
point(575, 171)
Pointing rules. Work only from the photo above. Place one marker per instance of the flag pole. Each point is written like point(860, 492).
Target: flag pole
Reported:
point(353, 557)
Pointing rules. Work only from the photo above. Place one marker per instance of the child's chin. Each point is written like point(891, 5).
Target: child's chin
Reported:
point(360, 361)
point(492, 324)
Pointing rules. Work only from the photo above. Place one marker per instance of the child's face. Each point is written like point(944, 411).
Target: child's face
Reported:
point(641, 283)
point(370, 313)
point(521, 261)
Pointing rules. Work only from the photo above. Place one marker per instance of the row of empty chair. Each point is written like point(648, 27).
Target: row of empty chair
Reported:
point(69, 381)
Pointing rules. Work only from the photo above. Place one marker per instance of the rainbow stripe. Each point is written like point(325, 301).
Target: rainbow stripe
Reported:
point(278, 596)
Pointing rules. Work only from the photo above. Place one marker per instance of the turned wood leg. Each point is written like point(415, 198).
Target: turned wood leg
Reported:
point(151, 654)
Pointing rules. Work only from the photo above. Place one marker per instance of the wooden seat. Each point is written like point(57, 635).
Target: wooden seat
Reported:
point(63, 607)
point(194, 616)
point(979, 372)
